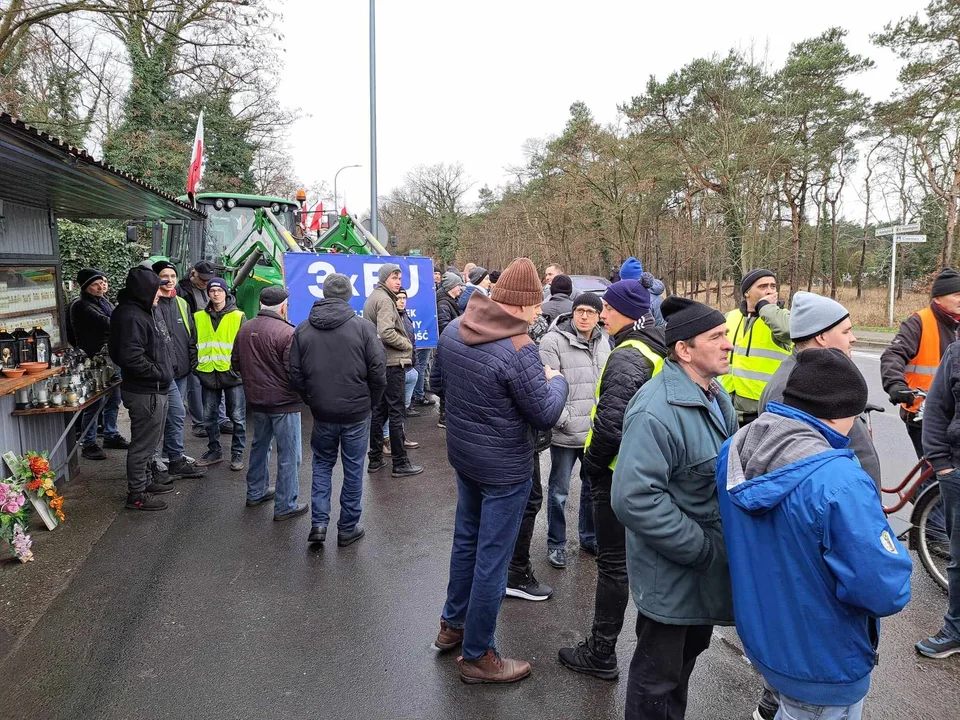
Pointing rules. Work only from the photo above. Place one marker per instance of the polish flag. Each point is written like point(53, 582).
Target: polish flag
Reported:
point(196, 160)
point(313, 218)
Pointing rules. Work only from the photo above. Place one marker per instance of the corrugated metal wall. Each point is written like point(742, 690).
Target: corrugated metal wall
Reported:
point(25, 231)
point(32, 432)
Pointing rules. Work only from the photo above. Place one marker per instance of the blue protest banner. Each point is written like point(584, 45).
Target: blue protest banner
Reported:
point(304, 274)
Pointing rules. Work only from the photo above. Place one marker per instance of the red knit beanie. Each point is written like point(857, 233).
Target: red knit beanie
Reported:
point(518, 285)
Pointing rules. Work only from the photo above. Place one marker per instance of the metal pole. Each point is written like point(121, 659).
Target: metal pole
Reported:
point(336, 209)
point(374, 220)
point(893, 278)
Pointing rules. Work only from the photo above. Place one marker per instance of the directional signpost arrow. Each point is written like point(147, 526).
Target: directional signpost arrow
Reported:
point(910, 238)
point(912, 227)
point(899, 233)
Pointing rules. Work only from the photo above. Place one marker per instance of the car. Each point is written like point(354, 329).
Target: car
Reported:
point(589, 283)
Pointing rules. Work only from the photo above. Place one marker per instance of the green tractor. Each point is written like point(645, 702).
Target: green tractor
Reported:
point(245, 237)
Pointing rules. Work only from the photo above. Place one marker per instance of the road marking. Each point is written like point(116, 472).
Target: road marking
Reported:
point(865, 355)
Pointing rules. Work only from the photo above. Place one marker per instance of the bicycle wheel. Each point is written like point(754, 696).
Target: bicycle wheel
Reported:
point(930, 535)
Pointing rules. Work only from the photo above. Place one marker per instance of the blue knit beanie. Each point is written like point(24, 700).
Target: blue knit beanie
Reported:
point(628, 297)
point(631, 269)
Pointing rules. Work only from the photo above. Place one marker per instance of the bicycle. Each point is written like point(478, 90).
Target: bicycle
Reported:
point(927, 534)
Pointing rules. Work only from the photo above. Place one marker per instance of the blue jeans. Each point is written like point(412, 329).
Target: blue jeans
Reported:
point(484, 533)
point(562, 460)
point(193, 402)
point(352, 442)
point(950, 502)
point(110, 407)
point(285, 427)
point(236, 412)
point(421, 362)
point(410, 379)
point(791, 709)
point(173, 427)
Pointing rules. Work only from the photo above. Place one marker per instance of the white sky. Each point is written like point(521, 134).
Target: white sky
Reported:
point(471, 81)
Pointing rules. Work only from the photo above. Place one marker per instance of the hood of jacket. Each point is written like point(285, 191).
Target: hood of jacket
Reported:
point(646, 331)
point(485, 321)
point(230, 306)
point(141, 288)
point(330, 313)
point(775, 453)
point(564, 325)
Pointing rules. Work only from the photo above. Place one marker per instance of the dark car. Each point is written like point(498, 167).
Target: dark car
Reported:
point(589, 283)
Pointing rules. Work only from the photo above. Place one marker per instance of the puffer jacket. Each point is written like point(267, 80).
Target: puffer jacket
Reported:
point(447, 310)
point(381, 309)
point(580, 361)
point(140, 340)
point(656, 289)
point(626, 372)
point(464, 298)
point(496, 394)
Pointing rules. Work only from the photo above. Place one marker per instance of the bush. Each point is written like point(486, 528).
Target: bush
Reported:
point(100, 244)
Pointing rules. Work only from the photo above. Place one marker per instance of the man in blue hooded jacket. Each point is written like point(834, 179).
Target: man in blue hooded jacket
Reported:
point(632, 269)
point(813, 562)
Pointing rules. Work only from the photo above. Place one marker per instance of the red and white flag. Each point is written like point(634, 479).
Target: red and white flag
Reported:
point(196, 160)
point(312, 220)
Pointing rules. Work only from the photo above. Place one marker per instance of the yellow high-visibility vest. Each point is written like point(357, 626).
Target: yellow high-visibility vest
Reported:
point(755, 357)
point(215, 346)
point(644, 350)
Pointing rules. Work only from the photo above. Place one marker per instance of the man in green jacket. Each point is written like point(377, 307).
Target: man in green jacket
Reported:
point(664, 492)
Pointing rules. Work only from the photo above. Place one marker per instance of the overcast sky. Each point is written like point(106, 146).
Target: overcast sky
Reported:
point(469, 82)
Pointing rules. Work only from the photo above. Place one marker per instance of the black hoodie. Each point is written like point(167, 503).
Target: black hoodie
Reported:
point(139, 338)
point(625, 373)
point(337, 363)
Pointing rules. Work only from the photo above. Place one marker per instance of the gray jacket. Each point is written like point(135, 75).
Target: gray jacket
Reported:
point(860, 441)
point(580, 362)
point(665, 493)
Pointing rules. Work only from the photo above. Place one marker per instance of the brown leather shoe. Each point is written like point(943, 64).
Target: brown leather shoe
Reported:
point(449, 637)
point(492, 668)
point(410, 444)
point(386, 449)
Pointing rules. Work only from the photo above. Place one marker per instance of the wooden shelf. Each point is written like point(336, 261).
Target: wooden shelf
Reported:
point(8, 386)
point(67, 408)
point(26, 313)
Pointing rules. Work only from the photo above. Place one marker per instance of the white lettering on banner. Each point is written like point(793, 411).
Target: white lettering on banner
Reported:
point(321, 269)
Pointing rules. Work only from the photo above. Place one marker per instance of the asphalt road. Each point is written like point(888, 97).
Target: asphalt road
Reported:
point(211, 610)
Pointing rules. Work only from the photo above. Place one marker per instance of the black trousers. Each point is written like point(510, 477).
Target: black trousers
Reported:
point(661, 668)
point(613, 586)
point(520, 565)
point(915, 431)
point(392, 406)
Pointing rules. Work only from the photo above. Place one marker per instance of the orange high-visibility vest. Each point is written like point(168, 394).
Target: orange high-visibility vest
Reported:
point(921, 369)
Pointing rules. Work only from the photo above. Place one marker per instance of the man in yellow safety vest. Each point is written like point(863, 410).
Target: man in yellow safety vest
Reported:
point(217, 328)
point(760, 333)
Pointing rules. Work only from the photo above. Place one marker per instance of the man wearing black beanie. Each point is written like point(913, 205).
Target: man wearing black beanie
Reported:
point(760, 332)
point(665, 494)
point(912, 359)
point(796, 505)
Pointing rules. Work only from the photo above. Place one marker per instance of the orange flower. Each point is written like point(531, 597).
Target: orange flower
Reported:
point(35, 485)
point(38, 465)
point(50, 492)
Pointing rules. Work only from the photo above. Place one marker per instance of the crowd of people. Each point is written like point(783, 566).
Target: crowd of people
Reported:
point(727, 475)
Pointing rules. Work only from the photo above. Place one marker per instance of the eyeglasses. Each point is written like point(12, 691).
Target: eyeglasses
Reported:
point(585, 312)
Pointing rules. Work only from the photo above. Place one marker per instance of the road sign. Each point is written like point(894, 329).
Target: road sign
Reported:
point(883, 232)
point(911, 228)
point(897, 230)
point(910, 238)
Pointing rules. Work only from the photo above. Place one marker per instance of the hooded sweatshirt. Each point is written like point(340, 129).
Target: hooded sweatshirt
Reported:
point(337, 363)
point(217, 379)
point(496, 392)
point(812, 559)
point(140, 341)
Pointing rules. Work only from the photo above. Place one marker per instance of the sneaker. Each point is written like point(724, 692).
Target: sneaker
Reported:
point(407, 469)
point(386, 448)
point(582, 659)
point(413, 412)
point(557, 557)
point(442, 422)
point(93, 452)
point(226, 428)
point(156, 488)
point(375, 465)
point(117, 442)
point(764, 713)
point(424, 402)
point(492, 668)
point(939, 646)
point(528, 588)
point(210, 458)
point(318, 533)
point(266, 497)
point(299, 510)
point(410, 444)
point(144, 501)
point(448, 637)
point(185, 468)
point(159, 477)
point(590, 549)
point(348, 538)
point(199, 431)
point(236, 462)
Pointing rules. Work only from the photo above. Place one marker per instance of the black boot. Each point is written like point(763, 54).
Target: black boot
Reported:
point(588, 658)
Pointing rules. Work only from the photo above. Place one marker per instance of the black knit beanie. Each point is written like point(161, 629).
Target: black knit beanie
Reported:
point(688, 318)
point(947, 283)
point(561, 285)
point(590, 300)
point(826, 384)
point(751, 277)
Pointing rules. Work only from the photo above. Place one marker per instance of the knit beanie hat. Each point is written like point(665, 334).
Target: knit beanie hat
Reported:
point(89, 275)
point(812, 314)
point(494, 276)
point(337, 286)
point(561, 285)
point(477, 275)
point(217, 282)
point(386, 270)
point(519, 285)
point(629, 298)
point(688, 318)
point(160, 265)
point(590, 300)
point(751, 277)
point(826, 384)
point(947, 283)
point(631, 269)
point(449, 281)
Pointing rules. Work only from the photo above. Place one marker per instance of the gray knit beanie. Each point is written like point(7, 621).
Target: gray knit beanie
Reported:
point(337, 286)
point(812, 314)
point(449, 281)
point(386, 270)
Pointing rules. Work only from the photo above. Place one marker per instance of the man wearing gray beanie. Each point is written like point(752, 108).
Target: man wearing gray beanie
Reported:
point(337, 364)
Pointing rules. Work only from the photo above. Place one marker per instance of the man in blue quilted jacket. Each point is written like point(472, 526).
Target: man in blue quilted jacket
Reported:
point(488, 348)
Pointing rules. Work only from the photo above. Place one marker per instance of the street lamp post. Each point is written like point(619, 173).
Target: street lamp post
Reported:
point(336, 208)
point(374, 221)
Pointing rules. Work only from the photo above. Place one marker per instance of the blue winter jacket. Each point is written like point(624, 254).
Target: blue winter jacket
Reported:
point(496, 393)
point(812, 559)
